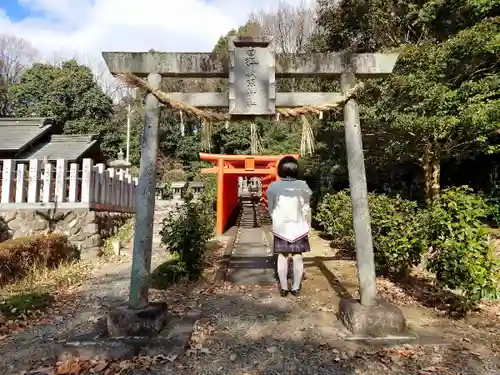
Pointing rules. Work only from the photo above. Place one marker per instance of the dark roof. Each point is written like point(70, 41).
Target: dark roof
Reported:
point(18, 133)
point(69, 147)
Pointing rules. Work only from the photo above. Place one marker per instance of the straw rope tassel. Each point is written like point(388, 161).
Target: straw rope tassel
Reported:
point(183, 131)
point(307, 140)
point(255, 144)
point(207, 141)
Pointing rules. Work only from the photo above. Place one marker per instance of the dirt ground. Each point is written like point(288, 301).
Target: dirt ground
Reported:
point(254, 331)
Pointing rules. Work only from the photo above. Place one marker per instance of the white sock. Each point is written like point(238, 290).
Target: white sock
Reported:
point(283, 271)
point(298, 271)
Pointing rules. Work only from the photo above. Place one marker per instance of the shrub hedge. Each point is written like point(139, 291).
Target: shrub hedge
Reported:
point(450, 235)
point(19, 255)
point(185, 235)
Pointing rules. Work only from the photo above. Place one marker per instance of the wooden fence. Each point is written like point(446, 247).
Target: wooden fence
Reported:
point(29, 184)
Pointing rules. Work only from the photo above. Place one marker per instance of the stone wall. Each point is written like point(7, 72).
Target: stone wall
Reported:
point(85, 229)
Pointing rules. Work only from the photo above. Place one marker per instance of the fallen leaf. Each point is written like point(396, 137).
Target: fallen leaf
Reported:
point(101, 365)
point(172, 357)
point(46, 370)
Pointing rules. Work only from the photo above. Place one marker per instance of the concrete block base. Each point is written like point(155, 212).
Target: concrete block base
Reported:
point(149, 321)
point(100, 344)
point(381, 320)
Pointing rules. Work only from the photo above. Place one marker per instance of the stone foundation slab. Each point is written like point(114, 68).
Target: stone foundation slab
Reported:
point(381, 320)
point(97, 344)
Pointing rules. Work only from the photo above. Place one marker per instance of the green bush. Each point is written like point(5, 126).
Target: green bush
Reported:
point(450, 233)
point(397, 228)
point(493, 206)
point(334, 214)
point(185, 234)
point(167, 192)
point(461, 255)
point(209, 190)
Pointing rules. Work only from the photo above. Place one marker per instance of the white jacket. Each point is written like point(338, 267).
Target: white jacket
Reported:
point(288, 204)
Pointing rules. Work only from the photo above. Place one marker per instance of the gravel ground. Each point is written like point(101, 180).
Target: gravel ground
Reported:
point(253, 331)
point(108, 286)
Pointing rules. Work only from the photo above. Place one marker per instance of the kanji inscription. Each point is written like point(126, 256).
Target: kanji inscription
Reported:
point(250, 90)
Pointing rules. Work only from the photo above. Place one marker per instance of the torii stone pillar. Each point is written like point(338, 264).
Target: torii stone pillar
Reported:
point(145, 207)
point(371, 317)
point(251, 72)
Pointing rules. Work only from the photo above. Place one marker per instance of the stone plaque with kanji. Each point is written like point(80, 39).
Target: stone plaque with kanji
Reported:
point(252, 89)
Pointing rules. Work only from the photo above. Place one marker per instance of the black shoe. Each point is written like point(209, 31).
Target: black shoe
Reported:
point(283, 292)
point(295, 293)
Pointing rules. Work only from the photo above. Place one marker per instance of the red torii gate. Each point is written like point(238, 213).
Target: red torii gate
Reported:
point(228, 168)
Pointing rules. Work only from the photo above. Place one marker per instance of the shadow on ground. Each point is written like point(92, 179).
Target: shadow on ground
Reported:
point(430, 295)
point(259, 333)
point(253, 331)
point(417, 287)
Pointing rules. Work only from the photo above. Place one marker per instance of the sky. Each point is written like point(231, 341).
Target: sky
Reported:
point(87, 27)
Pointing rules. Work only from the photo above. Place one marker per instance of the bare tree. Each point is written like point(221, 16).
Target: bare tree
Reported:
point(16, 54)
point(290, 25)
point(111, 86)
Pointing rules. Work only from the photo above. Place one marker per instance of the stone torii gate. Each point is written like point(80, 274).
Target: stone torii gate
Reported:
point(252, 71)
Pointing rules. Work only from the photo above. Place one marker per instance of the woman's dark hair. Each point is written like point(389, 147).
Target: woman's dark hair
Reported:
point(288, 167)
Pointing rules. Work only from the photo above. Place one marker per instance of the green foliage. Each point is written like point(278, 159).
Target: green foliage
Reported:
point(235, 139)
point(334, 214)
point(397, 228)
point(186, 233)
point(442, 100)
point(493, 205)
point(167, 274)
point(450, 233)
point(71, 96)
point(4, 87)
point(123, 235)
point(209, 190)
point(461, 255)
point(22, 305)
point(251, 28)
point(167, 192)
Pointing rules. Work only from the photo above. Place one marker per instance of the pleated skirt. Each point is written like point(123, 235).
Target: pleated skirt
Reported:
point(284, 246)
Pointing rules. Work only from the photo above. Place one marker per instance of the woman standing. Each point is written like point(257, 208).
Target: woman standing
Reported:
point(288, 204)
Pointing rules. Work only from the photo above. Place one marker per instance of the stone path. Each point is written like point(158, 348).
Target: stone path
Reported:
point(251, 261)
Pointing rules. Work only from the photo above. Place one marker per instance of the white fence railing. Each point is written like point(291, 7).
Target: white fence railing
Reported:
point(35, 183)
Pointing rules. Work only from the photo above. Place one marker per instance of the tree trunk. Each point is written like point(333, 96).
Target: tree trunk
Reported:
point(432, 176)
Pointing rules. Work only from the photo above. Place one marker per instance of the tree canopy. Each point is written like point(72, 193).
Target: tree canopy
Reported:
point(439, 108)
